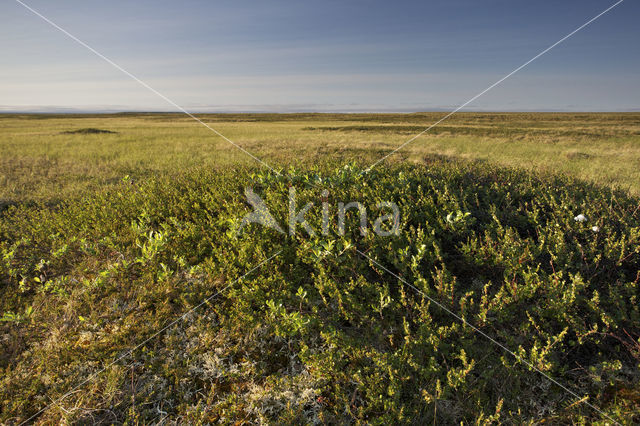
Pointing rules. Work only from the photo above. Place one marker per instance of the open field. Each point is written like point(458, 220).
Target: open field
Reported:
point(39, 161)
point(507, 294)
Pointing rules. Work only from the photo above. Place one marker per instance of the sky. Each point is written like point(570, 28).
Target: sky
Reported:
point(298, 55)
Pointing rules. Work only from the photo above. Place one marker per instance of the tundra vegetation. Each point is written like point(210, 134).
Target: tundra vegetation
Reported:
point(525, 226)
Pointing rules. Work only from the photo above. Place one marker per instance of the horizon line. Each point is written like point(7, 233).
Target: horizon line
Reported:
point(47, 110)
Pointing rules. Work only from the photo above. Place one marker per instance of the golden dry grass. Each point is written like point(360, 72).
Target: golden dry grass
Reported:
point(41, 161)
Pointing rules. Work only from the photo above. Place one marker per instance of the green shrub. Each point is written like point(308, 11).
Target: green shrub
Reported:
point(320, 333)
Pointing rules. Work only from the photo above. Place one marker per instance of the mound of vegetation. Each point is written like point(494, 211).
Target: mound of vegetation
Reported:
point(88, 131)
point(150, 302)
point(503, 131)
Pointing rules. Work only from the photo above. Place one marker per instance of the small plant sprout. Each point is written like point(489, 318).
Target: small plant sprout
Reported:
point(302, 294)
point(385, 300)
point(580, 218)
point(458, 216)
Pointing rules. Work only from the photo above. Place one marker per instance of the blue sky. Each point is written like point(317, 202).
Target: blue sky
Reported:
point(348, 55)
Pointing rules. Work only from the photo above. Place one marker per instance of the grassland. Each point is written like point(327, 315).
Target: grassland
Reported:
point(113, 227)
point(40, 160)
